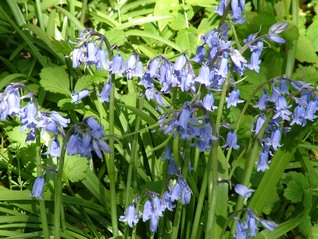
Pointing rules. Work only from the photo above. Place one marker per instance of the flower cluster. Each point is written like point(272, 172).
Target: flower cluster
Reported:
point(30, 117)
point(249, 227)
point(155, 206)
point(299, 111)
point(87, 137)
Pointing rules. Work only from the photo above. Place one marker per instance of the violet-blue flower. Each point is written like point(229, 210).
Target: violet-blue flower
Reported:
point(244, 191)
point(38, 186)
point(231, 141)
point(233, 98)
point(269, 225)
point(130, 215)
point(76, 97)
point(54, 149)
point(104, 95)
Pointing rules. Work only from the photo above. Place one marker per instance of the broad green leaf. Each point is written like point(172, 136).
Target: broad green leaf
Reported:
point(294, 192)
point(55, 79)
point(85, 82)
point(17, 136)
point(75, 167)
point(164, 8)
point(305, 50)
point(116, 37)
point(312, 34)
point(142, 20)
point(186, 39)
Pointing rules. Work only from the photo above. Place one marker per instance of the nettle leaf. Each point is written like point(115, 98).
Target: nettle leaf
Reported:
point(75, 167)
point(296, 187)
point(116, 37)
point(56, 80)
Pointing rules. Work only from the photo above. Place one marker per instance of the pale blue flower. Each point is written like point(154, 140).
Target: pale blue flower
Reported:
point(38, 187)
point(244, 191)
point(130, 215)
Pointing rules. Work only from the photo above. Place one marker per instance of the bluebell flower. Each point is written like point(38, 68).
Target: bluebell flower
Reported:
point(184, 117)
point(117, 64)
point(173, 168)
point(203, 77)
point(104, 95)
point(300, 85)
point(28, 115)
point(251, 224)
point(54, 149)
point(282, 109)
point(240, 232)
point(152, 94)
point(244, 191)
point(74, 145)
point(180, 62)
point(231, 141)
point(38, 187)
point(199, 55)
point(166, 201)
point(167, 154)
point(77, 57)
point(91, 58)
point(311, 110)
point(76, 97)
point(221, 7)
point(59, 119)
point(181, 190)
point(269, 225)
point(299, 116)
point(275, 30)
point(223, 67)
point(153, 66)
point(133, 67)
point(98, 146)
point(259, 123)
point(275, 138)
point(237, 7)
point(130, 215)
point(283, 87)
point(96, 129)
point(262, 163)
point(233, 98)
point(208, 101)
point(153, 211)
point(262, 101)
point(238, 60)
point(102, 60)
point(47, 123)
point(13, 101)
point(255, 56)
point(86, 147)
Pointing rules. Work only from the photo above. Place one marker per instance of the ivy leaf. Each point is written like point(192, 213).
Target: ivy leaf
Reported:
point(75, 167)
point(56, 80)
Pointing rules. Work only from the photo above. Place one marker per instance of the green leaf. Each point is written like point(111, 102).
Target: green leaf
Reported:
point(186, 39)
point(85, 82)
point(295, 188)
point(164, 8)
point(55, 79)
point(116, 37)
point(17, 136)
point(305, 50)
point(75, 167)
point(312, 34)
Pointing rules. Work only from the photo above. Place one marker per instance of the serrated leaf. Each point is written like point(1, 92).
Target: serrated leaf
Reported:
point(165, 8)
point(312, 33)
point(55, 79)
point(85, 82)
point(305, 50)
point(294, 192)
point(75, 167)
point(116, 37)
point(17, 136)
point(186, 39)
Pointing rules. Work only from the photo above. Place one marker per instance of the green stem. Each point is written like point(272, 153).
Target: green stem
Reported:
point(112, 176)
point(39, 13)
point(16, 12)
point(292, 44)
point(45, 227)
point(58, 203)
point(83, 11)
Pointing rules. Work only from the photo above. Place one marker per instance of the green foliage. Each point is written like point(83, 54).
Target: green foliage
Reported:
point(37, 38)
